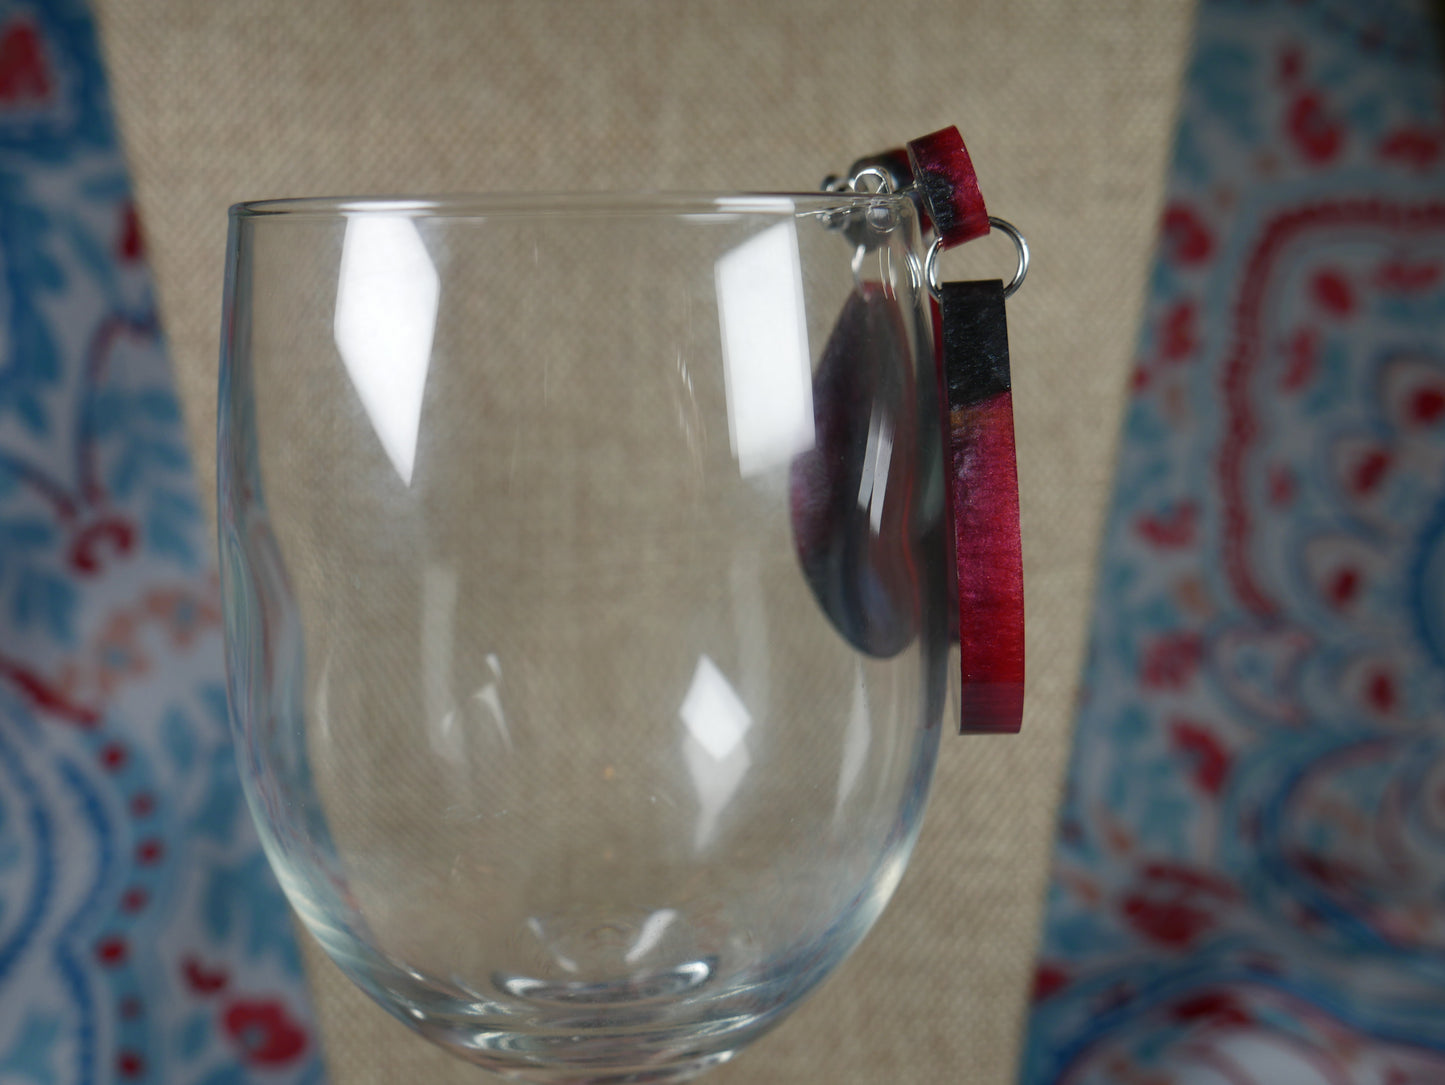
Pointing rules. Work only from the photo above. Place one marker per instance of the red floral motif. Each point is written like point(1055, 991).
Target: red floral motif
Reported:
point(200, 979)
point(1370, 471)
point(149, 852)
point(47, 696)
point(24, 75)
point(1171, 660)
point(112, 756)
point(1174, 905)
point(131, 246)
point(1242, 427)
point(1417, 148)
point(1189, 239)
point(1208, 756)
point(1291, 63)
point(1213, 1007)
point(130, 1064)
point(1380, 692)
point(134, 899)
point(113, 534)
point(111, 951)
point(1404, 277)
point(264, 1031)
point(1333, 293)
point(1179, 332)
point(1343, 586)
point(1316, 134)
point(1173, 528)
point(1427, 405)
point(1329, 872)
point(1301, 359)
point(1048, 979)
point(1171, 923)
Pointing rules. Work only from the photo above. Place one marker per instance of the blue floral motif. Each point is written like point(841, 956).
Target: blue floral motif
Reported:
point(1248, 875)
point(137, 914)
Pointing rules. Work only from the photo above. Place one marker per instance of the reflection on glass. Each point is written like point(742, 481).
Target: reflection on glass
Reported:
point(651, 933)
point(766, 369)
point(438, 611)
point(873, 486)
point(535, 926)
point(717, 758)
point(855, 745)
point(489, 697)
point(386, 309)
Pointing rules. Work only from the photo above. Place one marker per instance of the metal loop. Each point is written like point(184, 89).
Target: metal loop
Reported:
point(885, 183)
point(930, 262)
point(930, 268)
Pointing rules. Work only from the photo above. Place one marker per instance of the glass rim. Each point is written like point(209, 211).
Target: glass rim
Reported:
point(485, 204)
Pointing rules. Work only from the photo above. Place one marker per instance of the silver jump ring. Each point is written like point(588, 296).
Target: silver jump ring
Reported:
point(930, 262)
point(885, 183)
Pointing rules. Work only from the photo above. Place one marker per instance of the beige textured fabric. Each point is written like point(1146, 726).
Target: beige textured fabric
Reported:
point(1067, 107)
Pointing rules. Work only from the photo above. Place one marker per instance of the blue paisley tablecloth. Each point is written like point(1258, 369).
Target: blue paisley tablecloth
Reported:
point(142, 935)
point(1249, 882)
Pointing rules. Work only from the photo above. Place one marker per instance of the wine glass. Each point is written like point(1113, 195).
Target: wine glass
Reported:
point(586, 609)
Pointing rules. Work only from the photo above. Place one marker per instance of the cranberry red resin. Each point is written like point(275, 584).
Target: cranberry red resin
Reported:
point(943, 171)
point(985, 498)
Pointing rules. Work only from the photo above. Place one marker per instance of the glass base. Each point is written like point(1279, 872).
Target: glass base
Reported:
point(641, 1075)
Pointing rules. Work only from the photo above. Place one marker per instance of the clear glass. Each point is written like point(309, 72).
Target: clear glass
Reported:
point(585, 605)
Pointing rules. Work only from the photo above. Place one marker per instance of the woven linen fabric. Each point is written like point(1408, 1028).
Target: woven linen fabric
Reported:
point(143, 937)
point(1247, 882)
point(1067, 109)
